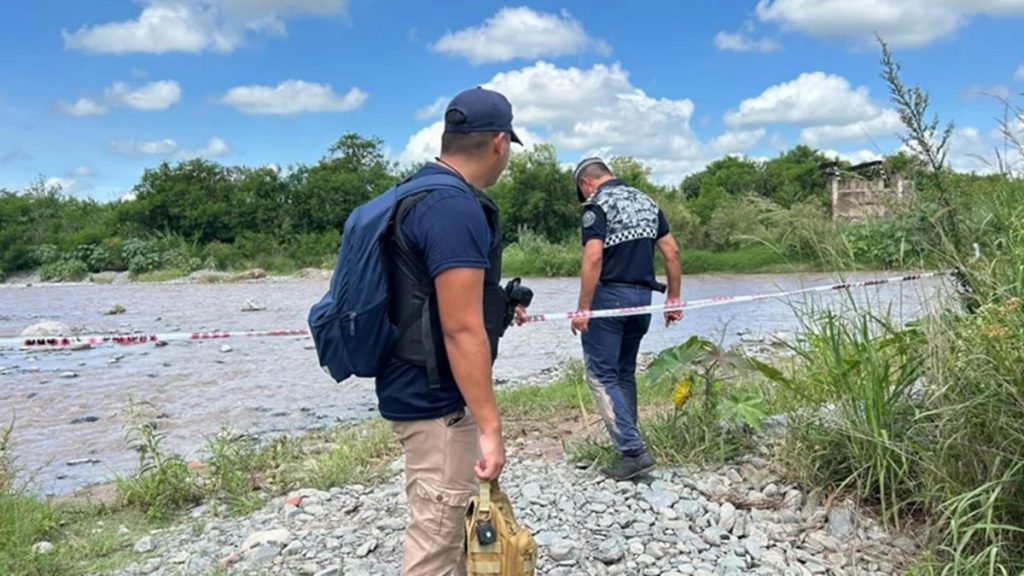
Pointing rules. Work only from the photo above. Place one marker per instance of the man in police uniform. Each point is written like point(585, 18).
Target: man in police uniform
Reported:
point(445, 277)
point(621, 226)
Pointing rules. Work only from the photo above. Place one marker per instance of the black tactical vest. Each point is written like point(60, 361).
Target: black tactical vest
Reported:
point(414, 302)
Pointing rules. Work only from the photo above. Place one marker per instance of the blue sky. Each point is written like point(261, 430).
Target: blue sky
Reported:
point(95, 92)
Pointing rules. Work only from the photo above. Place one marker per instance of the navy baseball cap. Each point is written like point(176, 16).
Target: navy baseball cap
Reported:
point(481, 110)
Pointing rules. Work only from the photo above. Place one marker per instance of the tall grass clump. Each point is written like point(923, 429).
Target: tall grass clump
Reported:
point(24, 520)
point(854, 424)
point(163, 484)
point(532, 255)
point(926, 421)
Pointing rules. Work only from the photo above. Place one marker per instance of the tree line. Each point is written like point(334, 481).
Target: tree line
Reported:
point(199, 213)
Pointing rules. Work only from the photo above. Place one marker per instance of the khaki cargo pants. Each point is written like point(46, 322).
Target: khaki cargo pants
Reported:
point(439, 481)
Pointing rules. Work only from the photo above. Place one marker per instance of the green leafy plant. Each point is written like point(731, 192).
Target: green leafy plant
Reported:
point(726, 415)
point(163, 483)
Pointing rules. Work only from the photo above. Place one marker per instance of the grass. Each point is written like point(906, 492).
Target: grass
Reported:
point(531, 256)
point(714, 422)
point(160, 275)
point(756, 258)
point(239, 475)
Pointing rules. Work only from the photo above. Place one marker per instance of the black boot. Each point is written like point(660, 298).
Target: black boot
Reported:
point(630, 467)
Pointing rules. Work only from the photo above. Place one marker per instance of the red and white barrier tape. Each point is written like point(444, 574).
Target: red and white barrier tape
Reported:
point(47, 342)
point(722, 300)
point(126, 339)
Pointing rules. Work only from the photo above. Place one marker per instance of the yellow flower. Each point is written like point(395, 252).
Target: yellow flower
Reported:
point(683, 391)
point(993, 330)
point(1011, 304)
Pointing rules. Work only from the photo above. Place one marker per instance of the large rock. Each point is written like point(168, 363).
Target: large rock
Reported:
point(840, 523)
point(279, 537)
point(661, 498)
point(145, 545)
point(45, 329)
point(610, 551)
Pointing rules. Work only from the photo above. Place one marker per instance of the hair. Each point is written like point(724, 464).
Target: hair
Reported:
point(596, 170)
point(463, 144)
point(471, 144)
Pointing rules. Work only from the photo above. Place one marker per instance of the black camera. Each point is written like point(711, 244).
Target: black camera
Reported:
point(517, 295)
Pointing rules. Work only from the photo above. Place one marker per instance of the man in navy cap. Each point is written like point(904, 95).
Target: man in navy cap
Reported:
point(621, 227)
point(447, 300)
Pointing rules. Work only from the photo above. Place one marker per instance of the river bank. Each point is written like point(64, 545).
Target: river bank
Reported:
point(331, 502)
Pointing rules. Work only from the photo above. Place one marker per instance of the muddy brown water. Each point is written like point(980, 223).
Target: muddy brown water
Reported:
point(273, 385)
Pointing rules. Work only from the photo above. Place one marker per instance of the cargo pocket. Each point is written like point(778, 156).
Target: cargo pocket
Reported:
point(441, 510)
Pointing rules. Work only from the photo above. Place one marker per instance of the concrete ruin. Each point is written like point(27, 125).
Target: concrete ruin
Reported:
point(866, 190)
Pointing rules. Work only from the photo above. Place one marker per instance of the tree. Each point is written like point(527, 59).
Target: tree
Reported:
point(193, 198)
point(796, 176)
point(354, 171)
point(537, 193)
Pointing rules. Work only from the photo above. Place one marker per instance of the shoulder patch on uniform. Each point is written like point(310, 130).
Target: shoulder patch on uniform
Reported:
point(589, 218)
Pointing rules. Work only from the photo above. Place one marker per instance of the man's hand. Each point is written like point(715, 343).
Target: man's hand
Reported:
point(580, 324)
point(672, 315)
point(492, 461)
point(520, 315)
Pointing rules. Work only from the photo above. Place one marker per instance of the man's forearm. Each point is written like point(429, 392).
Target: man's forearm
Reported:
point(469, 354)
point(590, 273)
point(674, 271)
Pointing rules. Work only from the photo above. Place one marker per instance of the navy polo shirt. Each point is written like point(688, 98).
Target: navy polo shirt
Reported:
point(447, 229)
point(630, 224)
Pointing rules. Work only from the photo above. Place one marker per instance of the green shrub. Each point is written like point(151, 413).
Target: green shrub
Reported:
point(740, 222)
point(531, 255)
point(307, 250)
point(64, 271)
point(140, 256)
point(47, 254)
point(222, 256)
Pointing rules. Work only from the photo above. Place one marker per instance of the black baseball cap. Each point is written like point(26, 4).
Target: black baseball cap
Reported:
point(482, 110)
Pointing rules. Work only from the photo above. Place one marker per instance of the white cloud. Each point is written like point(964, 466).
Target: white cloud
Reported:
point(82, 172)
point(215, 147)
point(902, 23)
point(195, 25)
point(813, 98)
point(292, 97)
point(886, 123)
point(162, 147)
point(519, 33)
point(598, 110)
point(153, 96)
point(853, 157)
point(735, 142)
point(1019, 75)
point(66, 185)
point(971, 151)
point(83, 107)
point(740, 42)
point(168, 147)
point(434, 110)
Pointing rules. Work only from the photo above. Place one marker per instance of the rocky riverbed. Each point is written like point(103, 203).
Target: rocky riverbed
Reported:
point(739, 519)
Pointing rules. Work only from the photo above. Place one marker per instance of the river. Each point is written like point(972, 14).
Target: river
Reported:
point(273, 385)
